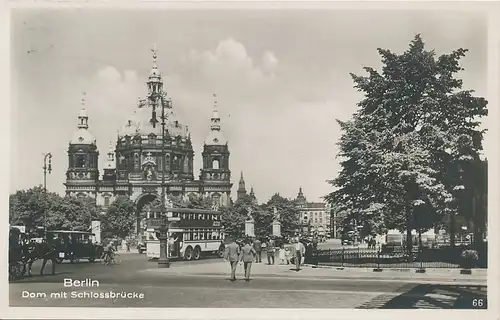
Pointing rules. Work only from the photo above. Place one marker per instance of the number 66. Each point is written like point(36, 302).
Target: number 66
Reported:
point(477, 302)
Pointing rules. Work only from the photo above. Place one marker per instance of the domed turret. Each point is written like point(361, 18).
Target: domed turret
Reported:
point(215, 137)
point(83, 158)
point(82, 135)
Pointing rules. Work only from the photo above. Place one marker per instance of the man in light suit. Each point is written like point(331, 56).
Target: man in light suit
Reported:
point(248, 253)
point(232, 254)
point(300, 250)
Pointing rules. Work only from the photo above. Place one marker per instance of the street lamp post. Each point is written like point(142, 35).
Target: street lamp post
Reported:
point(46, 167)
point(163, 262)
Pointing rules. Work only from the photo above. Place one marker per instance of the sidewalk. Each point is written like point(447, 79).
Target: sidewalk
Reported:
point(221, 269)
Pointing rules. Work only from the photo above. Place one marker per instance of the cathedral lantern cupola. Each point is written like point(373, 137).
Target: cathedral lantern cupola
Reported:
point(83, 157)
point(155, 82)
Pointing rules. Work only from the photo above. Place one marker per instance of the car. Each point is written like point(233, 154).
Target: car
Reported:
point(75, 245)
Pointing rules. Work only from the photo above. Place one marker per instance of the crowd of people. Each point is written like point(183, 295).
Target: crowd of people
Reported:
point(249, 250)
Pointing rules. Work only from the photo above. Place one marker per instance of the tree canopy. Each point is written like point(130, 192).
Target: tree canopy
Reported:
point(404, 149)
point(120, 217)
point(29, 207)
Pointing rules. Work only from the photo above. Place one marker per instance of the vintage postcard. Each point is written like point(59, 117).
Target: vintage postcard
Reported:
point(179, 160)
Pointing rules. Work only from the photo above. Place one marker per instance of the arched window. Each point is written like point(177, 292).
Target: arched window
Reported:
point(215, 164)
point(106, 201)
point(80, 161)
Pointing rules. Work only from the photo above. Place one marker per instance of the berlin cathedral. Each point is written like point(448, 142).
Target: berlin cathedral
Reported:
point(135, 165)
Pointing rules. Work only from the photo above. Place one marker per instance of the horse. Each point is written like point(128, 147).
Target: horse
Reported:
point(34, 251)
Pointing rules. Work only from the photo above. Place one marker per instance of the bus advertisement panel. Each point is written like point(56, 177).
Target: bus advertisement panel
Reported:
point(194, 233)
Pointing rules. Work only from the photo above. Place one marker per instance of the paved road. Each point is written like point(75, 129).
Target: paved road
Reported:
point(185, 290)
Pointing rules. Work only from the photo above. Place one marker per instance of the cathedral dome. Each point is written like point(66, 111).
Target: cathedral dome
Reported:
point(129, 126)
point(140, 123)
point(82, 136)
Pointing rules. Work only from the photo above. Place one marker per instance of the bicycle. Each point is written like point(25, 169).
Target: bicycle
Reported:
point(114, 258)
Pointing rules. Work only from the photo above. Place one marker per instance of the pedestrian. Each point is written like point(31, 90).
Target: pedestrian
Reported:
point(257, 245)
point(270, 250)
point(287, 255)
point(299, 253)
point(282, 254)
point(248, 253)
point(48, 252)
point(128, 245)
point(232, 254)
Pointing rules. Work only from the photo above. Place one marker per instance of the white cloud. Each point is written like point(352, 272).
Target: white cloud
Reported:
point(229, 70)
point(269, 61)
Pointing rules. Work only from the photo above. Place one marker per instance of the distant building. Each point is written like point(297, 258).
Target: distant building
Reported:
point(242, 191)
point(314, 216)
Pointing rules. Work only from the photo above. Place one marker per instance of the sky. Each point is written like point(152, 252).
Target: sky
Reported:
point(281, 79)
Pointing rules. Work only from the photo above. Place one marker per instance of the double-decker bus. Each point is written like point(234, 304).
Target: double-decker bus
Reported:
point(191, 234)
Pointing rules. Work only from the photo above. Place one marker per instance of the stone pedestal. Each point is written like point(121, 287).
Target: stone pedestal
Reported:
point(250, 228)
point(276, 228)
point(96, 229)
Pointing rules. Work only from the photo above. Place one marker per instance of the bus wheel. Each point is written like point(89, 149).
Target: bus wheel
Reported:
point(188, 255)
point(220, 252)
point(197, 253)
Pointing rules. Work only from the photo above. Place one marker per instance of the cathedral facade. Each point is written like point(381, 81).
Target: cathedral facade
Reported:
point(143, 155)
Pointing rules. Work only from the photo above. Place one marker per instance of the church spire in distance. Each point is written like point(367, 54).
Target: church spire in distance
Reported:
point(241, 187)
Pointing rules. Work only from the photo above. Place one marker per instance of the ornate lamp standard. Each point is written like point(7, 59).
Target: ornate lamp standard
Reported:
point(163, 262)
point(45, 169)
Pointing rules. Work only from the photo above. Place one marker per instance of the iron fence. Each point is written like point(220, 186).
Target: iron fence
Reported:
point(394, 258)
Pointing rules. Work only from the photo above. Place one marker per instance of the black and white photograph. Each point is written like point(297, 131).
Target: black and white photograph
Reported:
point(249, 157)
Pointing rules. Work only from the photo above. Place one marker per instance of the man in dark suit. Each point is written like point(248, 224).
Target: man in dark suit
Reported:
point(271, 244)
point(232, 254)
point(257, 246)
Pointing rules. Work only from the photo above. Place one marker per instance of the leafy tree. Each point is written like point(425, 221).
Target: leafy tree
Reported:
point(28, 207)
point(404, 149)
point(199, 202)
point(71, 213)
point(120, 217)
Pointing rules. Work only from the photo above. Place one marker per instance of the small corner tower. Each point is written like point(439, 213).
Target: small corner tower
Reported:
point(215, 169)
point(83, 172)
point(215, 152)
point(110, 166)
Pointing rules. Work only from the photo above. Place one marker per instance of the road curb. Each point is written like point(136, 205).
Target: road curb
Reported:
point(408, 270)
point(430, 280)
